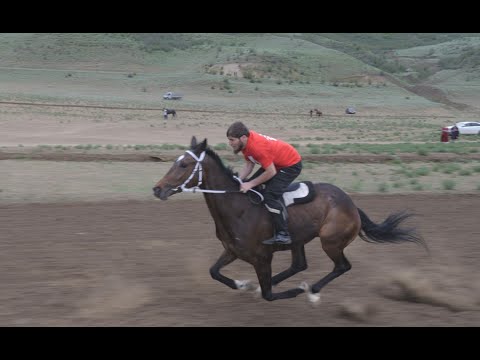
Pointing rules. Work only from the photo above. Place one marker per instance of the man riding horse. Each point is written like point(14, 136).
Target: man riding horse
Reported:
point(280, 164)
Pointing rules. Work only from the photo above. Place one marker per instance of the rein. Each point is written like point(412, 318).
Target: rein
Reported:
point(198, 168)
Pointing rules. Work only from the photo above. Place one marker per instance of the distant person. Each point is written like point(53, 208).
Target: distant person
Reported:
point(311, 113)
point(280, 164)
point(165, 114)
point(444, 137)
point(454, 133)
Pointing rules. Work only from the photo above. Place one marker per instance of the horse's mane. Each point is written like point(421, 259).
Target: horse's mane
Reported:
point(227, 170)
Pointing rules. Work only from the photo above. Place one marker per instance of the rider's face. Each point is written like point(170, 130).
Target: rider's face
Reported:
point(237, 144)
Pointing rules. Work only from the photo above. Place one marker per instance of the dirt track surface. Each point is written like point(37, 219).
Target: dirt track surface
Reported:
point(145, 263)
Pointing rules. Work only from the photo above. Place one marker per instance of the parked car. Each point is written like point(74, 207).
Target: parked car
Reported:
point(172, 96)
point(467, 127)
point(350, 110)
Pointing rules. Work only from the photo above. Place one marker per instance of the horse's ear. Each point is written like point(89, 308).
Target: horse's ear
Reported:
point(193, 143)
point(203, 145)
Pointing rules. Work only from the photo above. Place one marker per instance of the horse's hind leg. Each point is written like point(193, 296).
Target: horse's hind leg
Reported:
point(335, 236)
point(299, 263)
point(264, 274)
point(342, 265)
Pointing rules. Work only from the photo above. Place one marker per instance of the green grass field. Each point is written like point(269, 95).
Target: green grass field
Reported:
point(282, 77)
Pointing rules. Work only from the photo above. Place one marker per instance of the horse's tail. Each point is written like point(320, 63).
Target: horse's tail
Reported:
point(389, 231)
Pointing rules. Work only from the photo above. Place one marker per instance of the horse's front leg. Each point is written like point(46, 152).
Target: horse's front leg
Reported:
point(226, 258)
point(264, 274)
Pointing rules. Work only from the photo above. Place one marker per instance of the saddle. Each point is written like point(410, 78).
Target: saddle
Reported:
point(297, 192)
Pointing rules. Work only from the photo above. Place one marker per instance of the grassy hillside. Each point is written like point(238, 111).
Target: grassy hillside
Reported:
point(250, 72)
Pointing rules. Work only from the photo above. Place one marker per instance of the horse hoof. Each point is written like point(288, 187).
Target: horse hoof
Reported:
point(314, 299)
point(244, 285)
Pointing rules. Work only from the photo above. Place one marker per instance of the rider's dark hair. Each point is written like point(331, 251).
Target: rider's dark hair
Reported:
point(237, 130)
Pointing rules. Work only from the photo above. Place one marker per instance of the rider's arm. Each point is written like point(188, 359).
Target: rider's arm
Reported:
point(247, 169)
point(269, 172)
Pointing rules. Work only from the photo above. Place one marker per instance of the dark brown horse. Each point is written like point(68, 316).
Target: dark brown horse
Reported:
point(241, 224)
point(172, 111)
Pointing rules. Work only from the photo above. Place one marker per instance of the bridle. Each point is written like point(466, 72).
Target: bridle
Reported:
point(199, 169)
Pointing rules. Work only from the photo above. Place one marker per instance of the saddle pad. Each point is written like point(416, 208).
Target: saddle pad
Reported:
point(299, 193)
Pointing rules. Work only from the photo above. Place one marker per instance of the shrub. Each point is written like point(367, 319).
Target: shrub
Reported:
point(448, 184)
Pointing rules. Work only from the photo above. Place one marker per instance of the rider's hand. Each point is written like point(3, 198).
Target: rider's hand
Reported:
point(244, 187)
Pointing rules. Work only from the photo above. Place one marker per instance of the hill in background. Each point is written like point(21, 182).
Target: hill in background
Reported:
point(248, 72)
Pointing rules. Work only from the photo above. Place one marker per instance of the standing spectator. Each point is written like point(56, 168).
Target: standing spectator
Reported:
point(165, 114)
point(444, 137)
point(454, 133)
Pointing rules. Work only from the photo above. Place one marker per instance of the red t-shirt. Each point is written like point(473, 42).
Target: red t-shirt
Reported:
point(264, 150)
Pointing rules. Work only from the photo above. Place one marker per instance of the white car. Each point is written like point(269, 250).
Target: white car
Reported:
point(467, 127)
point(172, 96)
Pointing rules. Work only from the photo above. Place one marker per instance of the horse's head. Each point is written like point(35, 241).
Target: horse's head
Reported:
point(184, 171)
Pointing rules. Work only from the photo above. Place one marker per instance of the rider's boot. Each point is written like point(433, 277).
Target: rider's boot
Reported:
point(281, 235)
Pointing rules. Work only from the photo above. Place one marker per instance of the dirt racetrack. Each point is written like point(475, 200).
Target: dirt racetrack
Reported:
point(145, 263)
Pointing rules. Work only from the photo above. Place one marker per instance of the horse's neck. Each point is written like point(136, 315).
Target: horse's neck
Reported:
point(222, 205)
point(215, 178)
